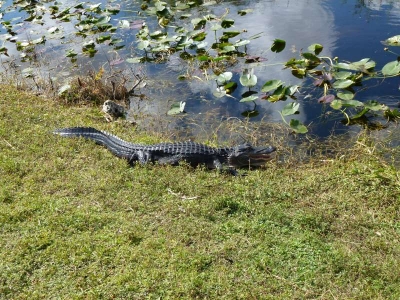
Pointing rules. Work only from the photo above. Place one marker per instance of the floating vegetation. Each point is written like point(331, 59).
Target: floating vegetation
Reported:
point(208, 43)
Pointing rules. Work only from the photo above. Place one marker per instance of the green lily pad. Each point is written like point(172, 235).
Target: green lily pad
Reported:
point(248, 78)
point(200, 37)
point(224, 77)
point(297, 126)
point(342, 74)
point(345, 95)
point(219, 92)
point(290, 109)
point(362, 65)
point(375, 105)
point(391, 68)
point(249, 98)
point(216, 27)
point(226, 23)
point(337, 103)
point(228, 49)
point(243, 12)
point(71, 53)
point(271, 85)
point(316, 48)
point(278, 45)
point(352, 103)
point(392, 41)
point(177, 108)
point(342, 83)
point(278, 94)
point(311, 57)
point(230, 34)
point(241, 43)
point(292, 89)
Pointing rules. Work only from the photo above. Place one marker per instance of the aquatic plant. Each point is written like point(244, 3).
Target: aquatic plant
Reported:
point(180, 33)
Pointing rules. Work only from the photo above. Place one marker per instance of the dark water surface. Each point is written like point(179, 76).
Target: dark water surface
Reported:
point(351, 30)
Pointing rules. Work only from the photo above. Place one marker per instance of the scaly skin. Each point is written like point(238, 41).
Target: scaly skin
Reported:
point(172, 153)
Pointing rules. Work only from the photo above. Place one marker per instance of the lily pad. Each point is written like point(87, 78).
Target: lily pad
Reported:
point(352, 103)
point(375, 105)
point(292, 89)
point(249, 98)
point(278, 45)
point(241, 43)
point(200, 37)
point(219, 92)
point(297, 126)
point(248, 78)
point(244, 11)
point(226, 23)
point(224, 77)
point(290, 109)
point(392, 41)
point(177, 108)
point(345, 95)
point(337, 104)
point(230, 34)
point(228, 49)
point(71, 53)
point(392, 68)
point(363, 65)
point(316, 48)
point(342, 75)
point(278, 94)
point(342, 83)
point(53, 30)
point(311, 57)
point(271, 85)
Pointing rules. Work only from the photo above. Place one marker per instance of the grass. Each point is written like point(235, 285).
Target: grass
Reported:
point(78, 223)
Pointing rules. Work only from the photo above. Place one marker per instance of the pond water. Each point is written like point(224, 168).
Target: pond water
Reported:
point(350, 30)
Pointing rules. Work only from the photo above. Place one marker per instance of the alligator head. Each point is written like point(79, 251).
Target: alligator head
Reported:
point(246, 155)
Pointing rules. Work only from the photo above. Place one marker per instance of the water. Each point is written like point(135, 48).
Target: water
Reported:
point(350, 30)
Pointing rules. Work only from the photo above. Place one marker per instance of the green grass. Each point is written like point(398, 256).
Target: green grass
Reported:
point(78, 223)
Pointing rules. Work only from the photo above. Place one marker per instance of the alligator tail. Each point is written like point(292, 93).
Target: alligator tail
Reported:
point(117, 146)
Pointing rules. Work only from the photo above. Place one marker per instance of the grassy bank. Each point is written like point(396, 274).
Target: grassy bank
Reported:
point(78, 223)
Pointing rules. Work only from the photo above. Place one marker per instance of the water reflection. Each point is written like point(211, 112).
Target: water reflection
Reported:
point(300, 23)
point(340, 27)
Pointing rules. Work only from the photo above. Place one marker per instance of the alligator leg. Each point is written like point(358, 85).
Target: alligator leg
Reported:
point(132, 159)
point(143, 157)
point(217, 165)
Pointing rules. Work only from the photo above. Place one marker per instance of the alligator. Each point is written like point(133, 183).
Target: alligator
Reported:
point(223, 158)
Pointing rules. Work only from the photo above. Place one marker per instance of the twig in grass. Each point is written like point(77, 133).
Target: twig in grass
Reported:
point(180, 195)
point(11, 146)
